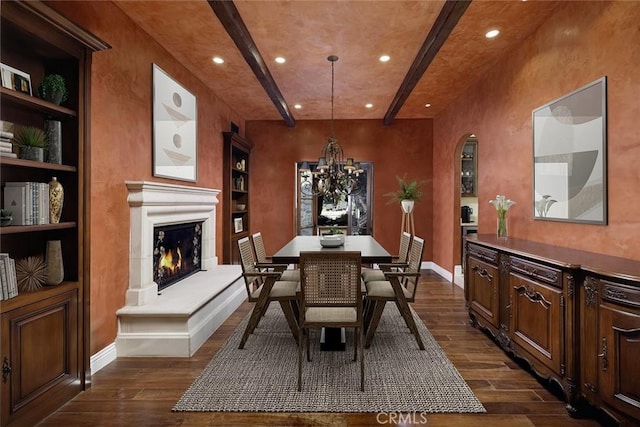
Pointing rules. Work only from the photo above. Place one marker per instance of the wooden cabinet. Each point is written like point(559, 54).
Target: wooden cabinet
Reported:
point(482, 292)
point(610, 337)
point(236, 206)
point(45, 353)
point(573, 316)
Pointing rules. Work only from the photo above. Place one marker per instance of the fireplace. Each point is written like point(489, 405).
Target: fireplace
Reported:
point(176, 252)
point(174, 321)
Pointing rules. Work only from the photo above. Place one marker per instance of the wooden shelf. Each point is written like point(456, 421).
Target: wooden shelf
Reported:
point(33, 103)
point(24, 298)
point(15, 229)
point(8, 161)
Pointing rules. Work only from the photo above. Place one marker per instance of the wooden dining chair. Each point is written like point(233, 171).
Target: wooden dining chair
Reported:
point(264, 287)
point(330, 296)
point(373, 274)
point(264, 264)
point(399, 287)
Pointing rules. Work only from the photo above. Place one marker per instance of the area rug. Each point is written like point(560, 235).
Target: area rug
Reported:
point(263, 376)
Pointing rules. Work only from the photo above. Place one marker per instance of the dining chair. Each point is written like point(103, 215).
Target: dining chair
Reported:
point(373, 274)
point(331, 296)
point(399, 287)
point(263, 263)
point(264, 287)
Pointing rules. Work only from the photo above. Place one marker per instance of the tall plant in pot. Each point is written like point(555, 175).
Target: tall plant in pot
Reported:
point(407, 194)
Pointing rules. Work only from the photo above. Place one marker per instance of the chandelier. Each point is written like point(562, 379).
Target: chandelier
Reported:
point(333, 176)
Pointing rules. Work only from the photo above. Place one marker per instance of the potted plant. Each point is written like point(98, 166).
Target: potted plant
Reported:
point(31, 141)
point(5, 217)
point(53, 89)
point(407, 194)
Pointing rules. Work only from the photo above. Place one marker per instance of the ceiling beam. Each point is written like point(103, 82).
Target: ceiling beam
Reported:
point(231, 20)
point(446, 21)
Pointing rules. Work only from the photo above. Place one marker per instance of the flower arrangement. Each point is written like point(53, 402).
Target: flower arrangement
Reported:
point(502, 205)
point(543, 205)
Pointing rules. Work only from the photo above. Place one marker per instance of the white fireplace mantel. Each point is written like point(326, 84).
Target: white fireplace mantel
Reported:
point(153, 204)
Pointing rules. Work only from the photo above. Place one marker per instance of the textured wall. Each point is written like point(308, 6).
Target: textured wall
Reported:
point(579, 43)
point(404, 147)
point(121, 146)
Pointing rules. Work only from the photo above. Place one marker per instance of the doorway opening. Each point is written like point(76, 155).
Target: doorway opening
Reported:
point(466, 199)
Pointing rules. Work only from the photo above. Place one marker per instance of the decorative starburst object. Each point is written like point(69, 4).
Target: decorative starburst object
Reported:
point(30, 273)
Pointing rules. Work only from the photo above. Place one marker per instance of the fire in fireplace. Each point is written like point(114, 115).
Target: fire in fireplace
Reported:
point(176, 252)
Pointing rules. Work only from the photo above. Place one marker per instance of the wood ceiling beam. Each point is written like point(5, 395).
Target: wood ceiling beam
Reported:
point(231, 20)
point(446, 21)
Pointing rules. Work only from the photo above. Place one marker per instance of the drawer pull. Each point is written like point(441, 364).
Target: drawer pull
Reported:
point(6, 369)
point(482, 272)
point(603, 355)
point(533, 296)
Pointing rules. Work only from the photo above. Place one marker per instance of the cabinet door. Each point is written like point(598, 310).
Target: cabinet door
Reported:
point(39, 345)
point(619, 356)
point(483, 290)
point(536, 320)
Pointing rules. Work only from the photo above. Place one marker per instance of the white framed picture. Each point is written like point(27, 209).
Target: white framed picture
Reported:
point(174, 129)
point(14, 79)
point(237, 225)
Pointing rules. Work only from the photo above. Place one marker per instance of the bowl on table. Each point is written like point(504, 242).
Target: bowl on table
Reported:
point(331, 240)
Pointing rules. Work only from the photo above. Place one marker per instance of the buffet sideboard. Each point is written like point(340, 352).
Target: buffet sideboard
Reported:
point(573, 316)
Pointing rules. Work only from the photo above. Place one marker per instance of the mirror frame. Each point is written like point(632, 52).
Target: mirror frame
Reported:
point(570, 157)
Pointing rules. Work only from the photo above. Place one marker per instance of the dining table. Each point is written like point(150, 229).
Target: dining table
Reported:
point(371, 252)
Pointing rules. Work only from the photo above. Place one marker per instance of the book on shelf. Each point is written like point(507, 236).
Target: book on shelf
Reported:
point(4, 142)
point(6, 134)
point(6, 126)
point(6, 149)
point(8, 276)
point(10, 155)
point(28, 201)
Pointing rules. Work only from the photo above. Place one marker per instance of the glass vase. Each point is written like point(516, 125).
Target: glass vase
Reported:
point(502, 228)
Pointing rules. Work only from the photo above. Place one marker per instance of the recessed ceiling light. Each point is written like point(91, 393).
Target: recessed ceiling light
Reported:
point(297, 106)
point(280, 60)
point(492, 33)
point(368, 105)
point(427, 105)
point(218, 60)
point(385, 58)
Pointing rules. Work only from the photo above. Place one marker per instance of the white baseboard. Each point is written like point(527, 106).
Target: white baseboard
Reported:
point(456, 278)
point(103, 358)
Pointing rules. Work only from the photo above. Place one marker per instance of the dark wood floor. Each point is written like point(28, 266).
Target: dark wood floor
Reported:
point(142, 391)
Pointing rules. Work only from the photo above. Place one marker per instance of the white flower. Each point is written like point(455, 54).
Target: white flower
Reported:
point(543, 205)
point(502, 204)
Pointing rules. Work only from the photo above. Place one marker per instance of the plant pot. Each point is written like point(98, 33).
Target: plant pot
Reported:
point(407, 205)
point(32, 153)
point(53, 134)
point(5, 220)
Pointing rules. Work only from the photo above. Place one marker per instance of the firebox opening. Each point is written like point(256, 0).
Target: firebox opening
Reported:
point(176, 252)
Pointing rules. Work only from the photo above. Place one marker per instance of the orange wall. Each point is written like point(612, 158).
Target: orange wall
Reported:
point(404, 147)
point(579, 43)
point(121, 146)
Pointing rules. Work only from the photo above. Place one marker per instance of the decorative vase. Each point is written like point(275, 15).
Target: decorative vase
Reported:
point(502, 229)
point(56, 199)
point(32, 153)
point(54, 265)
point(407, 205)
point(53, 134)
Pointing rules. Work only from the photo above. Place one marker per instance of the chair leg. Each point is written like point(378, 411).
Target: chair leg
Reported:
point(360, 340)
point(355, 344)
point(253, 321)
point(378, 308)
point(408, 318)
point(291, 319)
point(400, 310)
point(300, 344)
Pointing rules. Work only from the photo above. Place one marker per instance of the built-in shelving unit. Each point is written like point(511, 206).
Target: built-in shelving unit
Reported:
point(236, 195)
point(50, 324)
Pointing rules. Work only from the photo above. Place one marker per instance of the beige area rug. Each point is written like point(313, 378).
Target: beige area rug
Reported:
point(263, 376)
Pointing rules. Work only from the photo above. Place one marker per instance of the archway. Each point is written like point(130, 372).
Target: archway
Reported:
point(465, 169)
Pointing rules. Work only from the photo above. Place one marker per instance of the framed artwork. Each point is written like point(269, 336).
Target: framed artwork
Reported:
point(174, 129)
point(15, 79)
point(237, 225)
point(570, 156)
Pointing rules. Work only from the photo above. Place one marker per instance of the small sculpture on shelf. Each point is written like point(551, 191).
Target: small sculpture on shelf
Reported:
point(56, 200)
point(53, 89)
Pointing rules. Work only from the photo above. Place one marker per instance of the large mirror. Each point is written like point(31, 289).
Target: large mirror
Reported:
point(569, 156)
point(350, 213)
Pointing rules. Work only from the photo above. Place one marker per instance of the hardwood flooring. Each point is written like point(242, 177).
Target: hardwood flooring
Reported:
point(142, 391)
